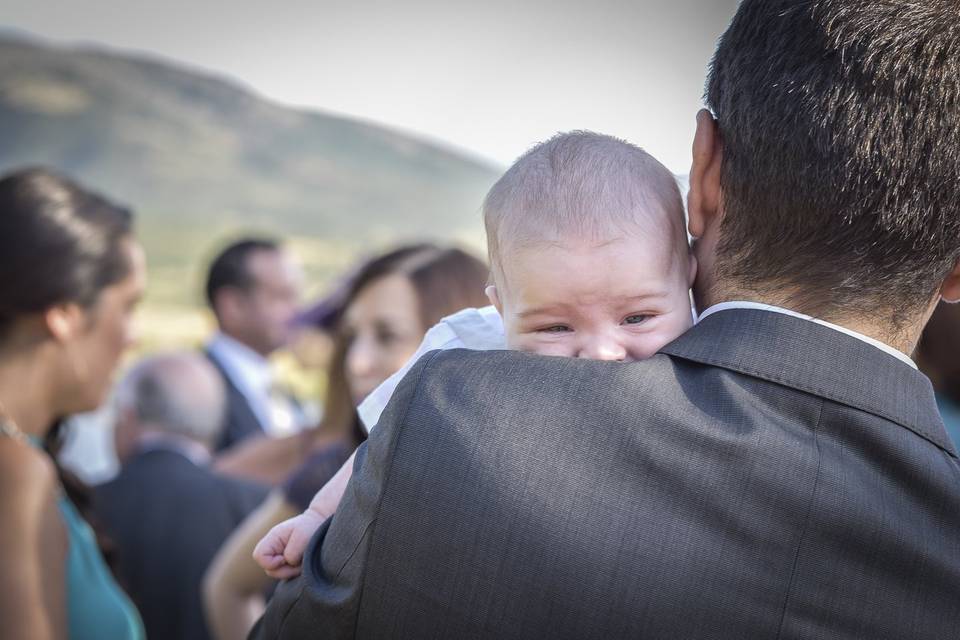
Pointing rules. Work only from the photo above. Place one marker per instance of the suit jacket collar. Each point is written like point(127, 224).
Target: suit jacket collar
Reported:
point(237, 396)
point(192, 451)
point(249, 371)
point(819, 360)
point(743, 304)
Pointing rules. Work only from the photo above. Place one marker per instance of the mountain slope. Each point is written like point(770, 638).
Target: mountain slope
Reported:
point(198, 157)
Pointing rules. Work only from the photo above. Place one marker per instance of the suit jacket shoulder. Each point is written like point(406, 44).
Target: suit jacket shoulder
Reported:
point(764, 477)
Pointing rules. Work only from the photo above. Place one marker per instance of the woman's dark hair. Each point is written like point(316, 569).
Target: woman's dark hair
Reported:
point(339, 414)
point(59, 243)
point(80, 494)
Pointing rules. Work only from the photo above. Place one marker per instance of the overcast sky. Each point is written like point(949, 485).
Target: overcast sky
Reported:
point(491, 77)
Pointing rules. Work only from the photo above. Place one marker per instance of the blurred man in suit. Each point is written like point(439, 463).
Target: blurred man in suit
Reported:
point(780, 470)
point(166, 512)
point(253, 288)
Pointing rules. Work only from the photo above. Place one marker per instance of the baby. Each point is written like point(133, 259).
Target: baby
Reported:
point(589, 259)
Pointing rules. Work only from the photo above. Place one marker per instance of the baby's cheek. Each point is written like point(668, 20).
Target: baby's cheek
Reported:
point(561, 350)
point(676, 325)
point(514, 342)
point(532, 343)
point(646, 346)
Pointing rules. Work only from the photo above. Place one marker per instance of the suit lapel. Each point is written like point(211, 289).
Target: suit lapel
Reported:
point(819, 360)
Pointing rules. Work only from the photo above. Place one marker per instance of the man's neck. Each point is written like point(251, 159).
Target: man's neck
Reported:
point(152, 439)
point(237, 344)
point(902, 337)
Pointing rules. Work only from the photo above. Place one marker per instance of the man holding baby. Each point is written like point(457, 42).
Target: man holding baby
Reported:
point(780, 469)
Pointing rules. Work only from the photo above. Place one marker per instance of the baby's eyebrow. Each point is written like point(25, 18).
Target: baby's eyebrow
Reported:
point(563, 308)
point(640, 297)
point(540, 311)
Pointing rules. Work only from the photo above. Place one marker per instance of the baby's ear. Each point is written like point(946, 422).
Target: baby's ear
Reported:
point(494, 297)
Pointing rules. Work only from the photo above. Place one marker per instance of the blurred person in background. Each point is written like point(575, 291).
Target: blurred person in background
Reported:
point(166, 512)
point(938, 356)
point(392, 302)
point(270, 460)
point(72, 274)
point(253, 288)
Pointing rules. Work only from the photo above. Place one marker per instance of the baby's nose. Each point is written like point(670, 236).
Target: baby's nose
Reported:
point(603, 349)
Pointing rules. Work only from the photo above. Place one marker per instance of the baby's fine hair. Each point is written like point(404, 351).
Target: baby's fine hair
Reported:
point(582, 185)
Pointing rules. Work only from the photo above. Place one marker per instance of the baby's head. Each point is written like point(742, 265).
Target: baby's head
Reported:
point(588, 250)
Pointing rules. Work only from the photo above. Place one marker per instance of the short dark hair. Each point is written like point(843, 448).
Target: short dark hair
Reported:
point(840, 122)
point(59, 243)
point(231, 267)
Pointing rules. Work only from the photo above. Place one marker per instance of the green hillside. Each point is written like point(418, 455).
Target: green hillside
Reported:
point(201, 158)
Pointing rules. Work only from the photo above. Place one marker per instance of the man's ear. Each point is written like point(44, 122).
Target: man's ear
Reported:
point(494, 297)
point(950, 289)
point(64, 321)
point(703, 199)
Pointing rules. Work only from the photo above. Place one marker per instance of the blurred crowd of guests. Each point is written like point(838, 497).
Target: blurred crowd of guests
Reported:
point(213, 452)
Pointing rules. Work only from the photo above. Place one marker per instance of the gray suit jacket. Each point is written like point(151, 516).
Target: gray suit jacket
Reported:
point(763, 477)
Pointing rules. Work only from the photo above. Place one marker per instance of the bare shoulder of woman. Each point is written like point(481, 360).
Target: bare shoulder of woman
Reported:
point(33, 545)
point(26, 475)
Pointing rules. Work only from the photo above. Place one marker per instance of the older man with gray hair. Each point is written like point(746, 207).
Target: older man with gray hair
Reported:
point(167, 512)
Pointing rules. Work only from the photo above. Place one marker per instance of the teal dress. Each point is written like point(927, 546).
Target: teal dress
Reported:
point(96, 606)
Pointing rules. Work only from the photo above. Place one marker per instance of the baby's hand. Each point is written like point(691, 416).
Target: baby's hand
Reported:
point(280, 553)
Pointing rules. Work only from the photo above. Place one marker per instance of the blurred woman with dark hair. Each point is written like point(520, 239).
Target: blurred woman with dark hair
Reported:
point(71, 273)
point(391, 303)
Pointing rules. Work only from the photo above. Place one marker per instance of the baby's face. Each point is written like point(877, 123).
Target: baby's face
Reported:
point(621, 300)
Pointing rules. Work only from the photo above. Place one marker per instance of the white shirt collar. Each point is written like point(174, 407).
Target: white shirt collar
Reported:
point(249, 372)
point(247, 369)
point(740, 304)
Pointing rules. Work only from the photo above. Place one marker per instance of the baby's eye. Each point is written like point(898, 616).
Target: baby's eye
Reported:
point(636, 318)
point(557, 328)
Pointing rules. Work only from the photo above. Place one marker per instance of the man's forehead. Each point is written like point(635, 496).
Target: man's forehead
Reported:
point(274, 273)
point(271, 264)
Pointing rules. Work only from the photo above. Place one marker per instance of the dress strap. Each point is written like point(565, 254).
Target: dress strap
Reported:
point(10, 430)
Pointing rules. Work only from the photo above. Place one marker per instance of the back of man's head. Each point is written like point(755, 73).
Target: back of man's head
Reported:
point(840, 126)
point(179, 394)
